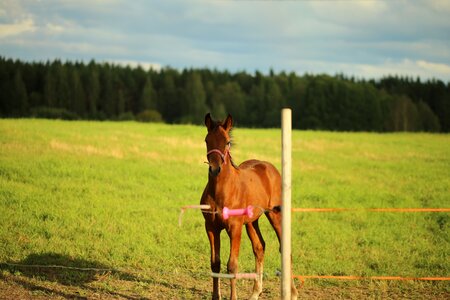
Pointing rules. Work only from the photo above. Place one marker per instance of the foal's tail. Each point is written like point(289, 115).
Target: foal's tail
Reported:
point(276, 209)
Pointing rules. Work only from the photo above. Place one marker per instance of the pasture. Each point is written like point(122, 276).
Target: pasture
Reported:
point(107, 195)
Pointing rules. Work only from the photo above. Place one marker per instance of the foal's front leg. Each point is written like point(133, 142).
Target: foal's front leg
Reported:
point(235, 233)
point(214, 241)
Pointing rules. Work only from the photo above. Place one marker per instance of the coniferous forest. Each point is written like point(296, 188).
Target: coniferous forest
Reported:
point(102, 91)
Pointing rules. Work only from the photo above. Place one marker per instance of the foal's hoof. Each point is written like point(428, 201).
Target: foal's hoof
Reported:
point(254, 296)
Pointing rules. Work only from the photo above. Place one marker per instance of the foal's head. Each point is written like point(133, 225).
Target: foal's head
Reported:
point(218, 142)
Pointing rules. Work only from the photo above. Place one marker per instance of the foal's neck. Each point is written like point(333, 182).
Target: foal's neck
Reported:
point(221, 185)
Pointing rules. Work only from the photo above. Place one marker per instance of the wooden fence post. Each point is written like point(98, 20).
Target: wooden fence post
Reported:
point(286, 127)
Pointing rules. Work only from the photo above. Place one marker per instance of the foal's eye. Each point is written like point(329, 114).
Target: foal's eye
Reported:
point(229, 143)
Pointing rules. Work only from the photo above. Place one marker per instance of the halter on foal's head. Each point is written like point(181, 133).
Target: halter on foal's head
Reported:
point(218, 142)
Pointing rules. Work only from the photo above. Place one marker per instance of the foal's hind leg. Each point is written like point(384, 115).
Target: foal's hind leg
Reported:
point(258, 245)
point(275, 220)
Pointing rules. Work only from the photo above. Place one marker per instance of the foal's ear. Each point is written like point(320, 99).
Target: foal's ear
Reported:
point(208, 121)
point(228, 123)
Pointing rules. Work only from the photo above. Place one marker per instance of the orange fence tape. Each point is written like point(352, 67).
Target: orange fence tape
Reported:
point(370, 277)
point(303, 277)
point(372, 209)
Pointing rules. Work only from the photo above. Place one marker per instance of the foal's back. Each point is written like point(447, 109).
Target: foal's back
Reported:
point(261, 181)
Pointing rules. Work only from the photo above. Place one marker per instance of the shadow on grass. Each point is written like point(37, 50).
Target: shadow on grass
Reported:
point(70, 272)
point(57, 268)
point(74, 276)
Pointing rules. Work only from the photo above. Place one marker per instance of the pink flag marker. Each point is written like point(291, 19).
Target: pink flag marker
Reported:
point(226, 212)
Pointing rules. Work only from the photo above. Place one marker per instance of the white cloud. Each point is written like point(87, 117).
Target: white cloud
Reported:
point(364, 38)
point(52, 28)
point(134, 64)
point(434, 68)
point(12, 29)
point(341, 10)
point(440, 5)
point(405, 67)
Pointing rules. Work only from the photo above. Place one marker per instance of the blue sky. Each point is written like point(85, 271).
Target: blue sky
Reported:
point(363, 38)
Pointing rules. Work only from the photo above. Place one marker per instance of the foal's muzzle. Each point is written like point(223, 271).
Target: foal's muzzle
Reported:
point(214, 172)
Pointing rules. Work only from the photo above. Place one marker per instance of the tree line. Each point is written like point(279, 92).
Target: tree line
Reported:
point(103, 91)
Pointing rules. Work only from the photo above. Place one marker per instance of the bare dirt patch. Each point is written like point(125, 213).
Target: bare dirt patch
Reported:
point(112, 286)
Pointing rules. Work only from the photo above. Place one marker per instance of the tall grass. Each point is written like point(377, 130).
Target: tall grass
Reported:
point(108, 194)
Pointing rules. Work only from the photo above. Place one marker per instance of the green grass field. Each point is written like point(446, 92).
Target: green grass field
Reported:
point(107, 195)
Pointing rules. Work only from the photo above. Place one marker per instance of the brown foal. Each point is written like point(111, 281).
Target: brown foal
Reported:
point(254, 182)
